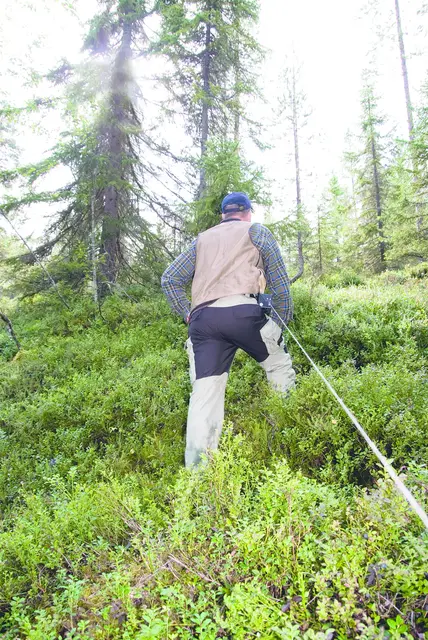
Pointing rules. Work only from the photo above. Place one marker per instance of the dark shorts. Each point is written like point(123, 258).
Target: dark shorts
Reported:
point(217, 333)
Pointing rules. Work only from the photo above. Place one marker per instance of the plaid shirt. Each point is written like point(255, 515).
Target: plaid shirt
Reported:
point(182, 270)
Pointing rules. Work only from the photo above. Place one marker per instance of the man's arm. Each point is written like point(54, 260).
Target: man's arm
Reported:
point(175, 278)
point(275, 271)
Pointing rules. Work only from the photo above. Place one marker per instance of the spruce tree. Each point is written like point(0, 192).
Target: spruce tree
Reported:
point(407, 243)
point(413, 230)
point(107, 151)
point(225, 171)
point(371, 183)
point(331, 227)
point(212, 51)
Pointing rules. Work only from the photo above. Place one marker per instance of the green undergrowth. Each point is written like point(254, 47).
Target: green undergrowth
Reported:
point(227, 551)
point(290, 531)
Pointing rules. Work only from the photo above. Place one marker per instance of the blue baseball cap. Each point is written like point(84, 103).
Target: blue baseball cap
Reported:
point(236, 202)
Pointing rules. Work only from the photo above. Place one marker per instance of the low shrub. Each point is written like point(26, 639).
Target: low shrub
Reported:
point(342, 278)
point(238, 552)
point(418, 271)
point(105, 536)
point(314, 434)
point(367, 325)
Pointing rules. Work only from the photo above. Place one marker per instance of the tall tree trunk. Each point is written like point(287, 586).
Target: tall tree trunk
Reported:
point(409, 106)
point(410, 122)
point(301, 260)
point(319, 242)
point(93, 247)
point(296, 147)
point(206, 69)
point(376, 186)
point(237, 117)
point(338, 244)
point(237, 126)
point(111, 233)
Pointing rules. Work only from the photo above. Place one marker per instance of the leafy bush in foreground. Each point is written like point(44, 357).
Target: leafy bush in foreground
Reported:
point(316, 436)
point(365, 325)
point(235, 552)
point(103, 534)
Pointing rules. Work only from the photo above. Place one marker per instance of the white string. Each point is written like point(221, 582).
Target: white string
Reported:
point(39, 262)
point(392, 473)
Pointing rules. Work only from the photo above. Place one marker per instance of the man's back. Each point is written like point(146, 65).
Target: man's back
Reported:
point(184, 269)
point(227, 265)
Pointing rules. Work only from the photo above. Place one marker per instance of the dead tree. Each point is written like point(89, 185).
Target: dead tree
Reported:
point(409, 106)
point(410, 122)
point(293, 107)
point(10, 330)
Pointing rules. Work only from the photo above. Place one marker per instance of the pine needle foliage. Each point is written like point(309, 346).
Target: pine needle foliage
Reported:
point(110, 157)
point(225, 171)
point(371, 186)
point(213, 55)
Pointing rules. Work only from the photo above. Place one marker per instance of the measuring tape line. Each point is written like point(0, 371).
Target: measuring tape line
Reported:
point(389, 468)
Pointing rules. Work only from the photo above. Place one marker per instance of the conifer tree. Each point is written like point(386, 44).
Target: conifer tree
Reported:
point(212, 51)
point(371, 183)
point(225, 171)
point(332, 222)
point(414, 237)
point(107, 150)
point(294, 111)
point(406, 240)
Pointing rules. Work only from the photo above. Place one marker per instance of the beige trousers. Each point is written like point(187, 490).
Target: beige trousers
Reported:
point(206, 406)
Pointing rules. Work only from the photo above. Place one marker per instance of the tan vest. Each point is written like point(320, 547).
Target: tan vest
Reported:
point(227, 263)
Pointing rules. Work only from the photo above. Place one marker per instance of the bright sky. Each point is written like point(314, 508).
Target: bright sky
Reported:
point(334, 40)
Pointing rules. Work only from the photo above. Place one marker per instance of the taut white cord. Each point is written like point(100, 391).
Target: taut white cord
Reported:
point(389, 468)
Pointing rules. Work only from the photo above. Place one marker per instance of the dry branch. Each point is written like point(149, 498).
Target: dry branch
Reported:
point(9, 329)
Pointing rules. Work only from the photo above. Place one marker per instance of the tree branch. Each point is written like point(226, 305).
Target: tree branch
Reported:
point(10, 330)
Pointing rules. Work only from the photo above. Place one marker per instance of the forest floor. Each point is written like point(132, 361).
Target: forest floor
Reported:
point(290, 531)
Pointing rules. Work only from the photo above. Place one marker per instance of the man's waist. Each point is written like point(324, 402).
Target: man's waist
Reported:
point(235, 300)
point(229, 301)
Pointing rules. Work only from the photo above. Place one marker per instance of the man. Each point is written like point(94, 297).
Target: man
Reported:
point(228, 265)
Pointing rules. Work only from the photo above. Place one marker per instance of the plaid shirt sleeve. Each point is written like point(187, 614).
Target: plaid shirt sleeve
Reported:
point(275, 271)
point(175, 278)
